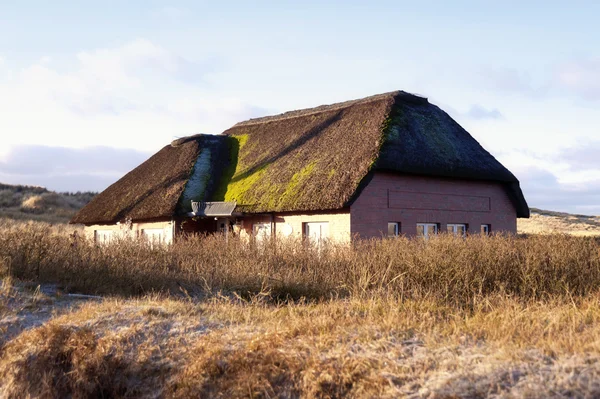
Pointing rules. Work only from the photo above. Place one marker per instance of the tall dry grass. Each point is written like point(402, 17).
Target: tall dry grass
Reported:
point(453, 270)
point(228, 348)
point(502, 315)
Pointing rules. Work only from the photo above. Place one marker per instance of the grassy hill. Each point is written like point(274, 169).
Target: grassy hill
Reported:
point(38, 203)
point(542, 221)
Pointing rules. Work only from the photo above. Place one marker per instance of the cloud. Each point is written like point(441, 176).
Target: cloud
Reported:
point(476, 112)
point(68, 169)
point(108, 80)
point(543, 190)
point(510, 80)
point(479, 112)
point(580, 77)
point(134, 95)
point(584, 156)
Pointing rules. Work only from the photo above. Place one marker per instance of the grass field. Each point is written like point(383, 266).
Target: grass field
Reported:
point(486, 316)
point(559, 222)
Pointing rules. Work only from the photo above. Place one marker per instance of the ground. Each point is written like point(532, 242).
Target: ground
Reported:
point(542, 221)
point(230, 347)
point(482, 317)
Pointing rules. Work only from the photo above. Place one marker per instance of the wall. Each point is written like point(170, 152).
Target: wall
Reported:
point(339, 223)
point(133, 230)
point(412, 199)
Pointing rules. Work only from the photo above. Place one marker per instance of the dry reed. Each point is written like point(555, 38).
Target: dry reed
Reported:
point(451, 270)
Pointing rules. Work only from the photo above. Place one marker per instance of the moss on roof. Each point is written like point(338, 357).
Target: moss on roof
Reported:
point(342, 143)
point(313, 159)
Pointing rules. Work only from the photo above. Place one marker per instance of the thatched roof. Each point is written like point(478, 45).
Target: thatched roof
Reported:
point(316, 158)
point(313, 159)
point(154, 189)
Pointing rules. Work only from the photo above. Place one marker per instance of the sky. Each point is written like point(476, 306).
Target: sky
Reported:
point(88, 90)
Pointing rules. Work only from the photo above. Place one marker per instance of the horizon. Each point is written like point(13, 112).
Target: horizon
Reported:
point(88, 93)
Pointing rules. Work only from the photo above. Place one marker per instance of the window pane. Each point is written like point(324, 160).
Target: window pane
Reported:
point(451, 228)
point(392, 229)
point(420, 230)
point(461, 230)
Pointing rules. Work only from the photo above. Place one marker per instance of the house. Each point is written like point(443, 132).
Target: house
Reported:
point(384, 165)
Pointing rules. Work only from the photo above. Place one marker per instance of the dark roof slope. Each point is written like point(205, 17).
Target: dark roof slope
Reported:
point(316, 158)
point(153, 189)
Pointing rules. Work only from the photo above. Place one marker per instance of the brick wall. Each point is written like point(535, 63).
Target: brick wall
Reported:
point(410, 200)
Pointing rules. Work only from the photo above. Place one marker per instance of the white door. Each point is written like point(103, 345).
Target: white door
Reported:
point(317, 232)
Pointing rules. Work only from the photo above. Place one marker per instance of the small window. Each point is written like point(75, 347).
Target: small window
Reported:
point(103, 236)
point(316, 232)
point(393, 229)
point(153, 236)
point(458, 229)
point(427, 229)
point(486, 229)
point(261, 230)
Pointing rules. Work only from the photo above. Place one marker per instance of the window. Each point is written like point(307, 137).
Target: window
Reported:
point(316, 232)
point(457, 229)
point(486, 229)
point(427, 229)
point(153, 236)
point(261, 231)
point(393, 229)
point(103, 236)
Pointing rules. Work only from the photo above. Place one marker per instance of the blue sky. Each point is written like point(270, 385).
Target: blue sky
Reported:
point(88, 90)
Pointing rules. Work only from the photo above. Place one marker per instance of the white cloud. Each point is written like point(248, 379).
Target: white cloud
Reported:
point(544, 190)
point(136, 95)
point(581, 77)
point(479, 112)
point(578, 78)
point(68, 169)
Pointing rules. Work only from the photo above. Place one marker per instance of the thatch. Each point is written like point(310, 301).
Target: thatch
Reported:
point(315, 159)
point(153, 189)
point(307, 160)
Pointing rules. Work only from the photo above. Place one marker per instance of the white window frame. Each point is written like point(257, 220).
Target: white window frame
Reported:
point(486, 229)
point(154, 236)
point(396, 229)
point(262, 230)
point(321, 238)
point(427, 227)
point(103, 236)
point(453, 228)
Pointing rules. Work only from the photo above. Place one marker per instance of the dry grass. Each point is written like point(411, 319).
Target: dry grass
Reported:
point(451, 270)
point(338, 348)
point(487, 316)
point(558, 222)
point(37, 203)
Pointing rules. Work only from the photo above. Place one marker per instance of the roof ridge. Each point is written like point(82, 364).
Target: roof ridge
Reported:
point(332, 107)
point(182, 140)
